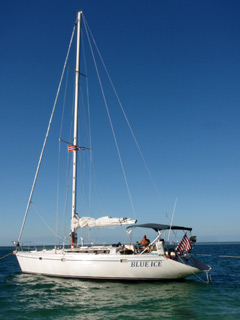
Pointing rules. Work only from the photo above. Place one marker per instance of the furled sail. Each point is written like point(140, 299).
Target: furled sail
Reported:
point(89, 222)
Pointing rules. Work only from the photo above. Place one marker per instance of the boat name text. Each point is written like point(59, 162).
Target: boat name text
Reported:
point(146, 264)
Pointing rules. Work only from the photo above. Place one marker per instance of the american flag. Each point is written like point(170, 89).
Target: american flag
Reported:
point(184, 245)
point(73, 148)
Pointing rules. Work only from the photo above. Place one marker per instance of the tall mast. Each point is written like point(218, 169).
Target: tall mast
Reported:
point(75, 133)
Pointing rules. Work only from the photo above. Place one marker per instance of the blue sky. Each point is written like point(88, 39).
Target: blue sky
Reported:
point(176, 68)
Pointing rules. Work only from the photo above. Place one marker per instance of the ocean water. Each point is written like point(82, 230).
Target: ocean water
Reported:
point(25, 296)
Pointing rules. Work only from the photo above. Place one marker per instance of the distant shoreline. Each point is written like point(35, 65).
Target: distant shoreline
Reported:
point(197, 243)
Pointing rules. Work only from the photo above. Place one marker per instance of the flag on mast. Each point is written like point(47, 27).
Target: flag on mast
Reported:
point(73, 148)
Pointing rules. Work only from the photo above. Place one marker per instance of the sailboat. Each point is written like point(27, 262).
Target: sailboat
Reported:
point(127, 261)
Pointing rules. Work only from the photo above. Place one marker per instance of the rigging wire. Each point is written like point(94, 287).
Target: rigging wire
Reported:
point(89, 129)
point(92, 173)
point(174, 208)
point(63, 228)
point(109, 116)
point(52, 231)
point(59, 151)
point(125, 116)
point(123, 111)
point(67, 184)
point(45, 140)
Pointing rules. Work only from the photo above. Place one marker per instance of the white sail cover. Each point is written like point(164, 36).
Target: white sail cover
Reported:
point(89, 222)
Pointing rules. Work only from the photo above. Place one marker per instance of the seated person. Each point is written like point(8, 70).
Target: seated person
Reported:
point(144, 242)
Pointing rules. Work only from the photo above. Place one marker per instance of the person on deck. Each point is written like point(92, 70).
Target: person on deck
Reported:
point(144, 242)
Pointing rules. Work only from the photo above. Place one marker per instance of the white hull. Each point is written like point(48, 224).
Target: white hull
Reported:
point(58, 263)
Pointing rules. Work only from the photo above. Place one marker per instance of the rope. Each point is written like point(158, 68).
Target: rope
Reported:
point(6, 255)
point(220, 256)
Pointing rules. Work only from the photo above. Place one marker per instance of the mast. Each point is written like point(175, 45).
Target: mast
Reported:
point(75, 133)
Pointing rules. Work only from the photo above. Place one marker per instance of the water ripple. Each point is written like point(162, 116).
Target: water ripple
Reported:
point(24, 296)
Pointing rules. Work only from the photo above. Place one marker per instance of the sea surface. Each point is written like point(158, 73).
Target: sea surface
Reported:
point(25, 296)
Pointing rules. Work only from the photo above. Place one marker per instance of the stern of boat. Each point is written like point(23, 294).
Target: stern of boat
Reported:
point(198, 266)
